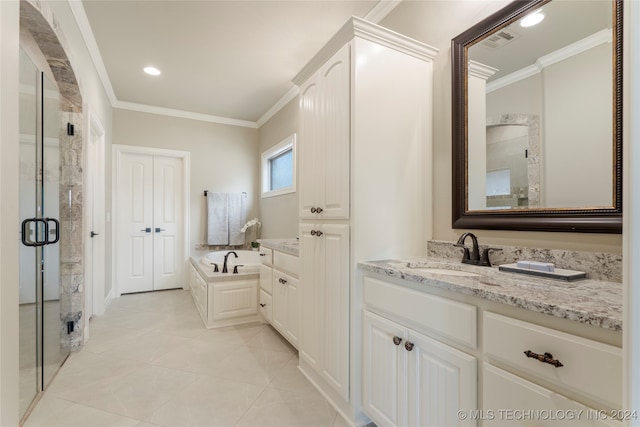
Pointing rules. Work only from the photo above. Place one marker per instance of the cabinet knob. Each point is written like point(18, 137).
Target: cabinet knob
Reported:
point(318, 210)
point(397, 340)
point(313, 232)
point(263, 305)
point(282, 281)
point(318, 233)
point(408, 345)
point(313, 210)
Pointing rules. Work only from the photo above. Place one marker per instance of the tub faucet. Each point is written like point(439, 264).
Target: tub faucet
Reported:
point(224, 266)
point(474, 257)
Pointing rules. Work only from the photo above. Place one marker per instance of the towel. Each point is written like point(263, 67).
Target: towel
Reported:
point(226, 215)
point(217, 219)
point(237, 218)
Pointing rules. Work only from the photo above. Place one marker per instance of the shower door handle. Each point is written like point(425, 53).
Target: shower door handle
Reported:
point(26, 229)
point(56, 231)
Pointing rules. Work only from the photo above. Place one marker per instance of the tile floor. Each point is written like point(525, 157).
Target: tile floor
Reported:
point(151, 362)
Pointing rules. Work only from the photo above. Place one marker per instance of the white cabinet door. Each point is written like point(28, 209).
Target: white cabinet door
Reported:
point(325, 132)
point(150, 222)
point(442, 381)
point(286, 306)
point(325, 302)
point(279, 304)
point(384, 362)
point(411, 379)
point(312, 304)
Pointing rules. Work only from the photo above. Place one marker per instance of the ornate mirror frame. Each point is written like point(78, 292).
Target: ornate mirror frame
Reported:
point(586, 220)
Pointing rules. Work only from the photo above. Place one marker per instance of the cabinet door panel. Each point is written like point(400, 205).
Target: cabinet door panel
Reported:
point(442, 381)
point(311, 147)
point(383, 363)
point(336, 111)
point(311, 297)
point(335, 263)
point(293, 311)
point(279, 303)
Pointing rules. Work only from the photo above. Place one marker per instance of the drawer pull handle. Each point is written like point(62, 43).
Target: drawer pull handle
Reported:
point(408, 345)
point(397, 340)
point(544, 358)
point(263, 305)
point(282, 281)
point(263, 254)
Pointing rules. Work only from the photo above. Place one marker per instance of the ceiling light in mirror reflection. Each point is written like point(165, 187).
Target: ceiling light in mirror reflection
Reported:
point(532, 19)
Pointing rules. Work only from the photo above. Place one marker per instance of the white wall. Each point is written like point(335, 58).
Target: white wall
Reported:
point(224, 158)
point(575, 131)
point(279, 214)
point(436, 23)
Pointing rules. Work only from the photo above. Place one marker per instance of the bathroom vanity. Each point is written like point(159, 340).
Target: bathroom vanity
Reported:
point(280, 287)
point(444, 343)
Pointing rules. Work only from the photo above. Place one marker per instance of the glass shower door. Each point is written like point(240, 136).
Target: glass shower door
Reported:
point(41, 352)
point(29, 309)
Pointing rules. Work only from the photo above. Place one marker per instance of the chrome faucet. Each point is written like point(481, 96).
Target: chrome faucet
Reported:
point(474, 257)
point(224, 266)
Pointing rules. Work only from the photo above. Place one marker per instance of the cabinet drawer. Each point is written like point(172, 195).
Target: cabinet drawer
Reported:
point(266, 255)
point(589, 368)
point(429, 313)
point(287, 263)
point(266, 307)
point(266, 278)
point(509, 398)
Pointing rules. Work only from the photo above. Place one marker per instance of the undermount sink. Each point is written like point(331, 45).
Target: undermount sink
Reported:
point(446, 272)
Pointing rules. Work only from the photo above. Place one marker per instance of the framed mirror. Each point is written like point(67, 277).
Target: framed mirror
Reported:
point(537, 118)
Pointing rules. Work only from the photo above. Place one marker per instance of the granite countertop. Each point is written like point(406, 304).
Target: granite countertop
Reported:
point(593, 302)
point(290, 246)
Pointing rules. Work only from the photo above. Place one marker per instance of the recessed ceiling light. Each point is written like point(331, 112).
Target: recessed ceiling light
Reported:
point(532, 19)
point(153, 71)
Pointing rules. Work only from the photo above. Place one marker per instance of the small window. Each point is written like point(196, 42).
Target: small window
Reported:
point(279, 168)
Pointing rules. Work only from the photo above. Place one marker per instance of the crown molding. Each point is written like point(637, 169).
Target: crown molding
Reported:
point(482, 71)
point(381, 10)
point(275, 108)
point(152, 109)
point(79, 14)
point(358, 27)
point(589, 42)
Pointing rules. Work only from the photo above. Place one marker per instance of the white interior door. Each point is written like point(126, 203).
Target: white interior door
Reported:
point(95, 222)
point(167, 223)
point(135, 223)
point(150, 218)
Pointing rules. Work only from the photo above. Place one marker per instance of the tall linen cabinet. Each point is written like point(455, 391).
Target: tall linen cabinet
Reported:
point(365, 187)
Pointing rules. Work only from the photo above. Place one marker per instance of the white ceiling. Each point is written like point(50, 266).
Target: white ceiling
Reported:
point(219, 59)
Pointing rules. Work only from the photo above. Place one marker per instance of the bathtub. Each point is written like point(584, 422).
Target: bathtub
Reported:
point(248, 262)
